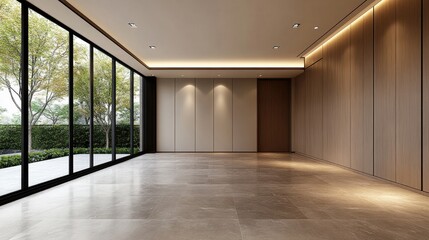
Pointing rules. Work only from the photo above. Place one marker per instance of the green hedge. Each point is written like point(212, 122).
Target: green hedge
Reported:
point(56, 136)
point(10, 137)
point(15, 160)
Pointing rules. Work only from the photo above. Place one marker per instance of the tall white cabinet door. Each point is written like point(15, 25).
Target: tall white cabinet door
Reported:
point(165, 92)
point(223, 115)
point(204, 115)
point(244, 115)
point(185, 115)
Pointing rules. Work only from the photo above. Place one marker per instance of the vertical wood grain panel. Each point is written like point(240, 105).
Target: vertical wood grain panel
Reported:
point(313, 57)
point(244, 115)
point(408, 92)
point(299, 128)
point(362, 93)
point(204, 115)
point(336, 102)
point(368, 93)
point(357, 94)
point(426, 95)
point(384, 88)
point(165, 103)
point(274, 115)
point(222, 115)
point(185, 115)
point(314, 110)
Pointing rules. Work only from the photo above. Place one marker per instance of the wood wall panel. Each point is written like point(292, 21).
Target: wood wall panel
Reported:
point(299, 119)
point(336, 101)
point(408, 92)
point(274, 115)
point(185, 115)
point(223, 115)
point(384, 90)
point(368, 93)
point(314, 110)
point(313, 57)
point(357, 94)
point(165, 116)
point(361, 46)
point(426, 95)
point(244, 100)
point(204, 115)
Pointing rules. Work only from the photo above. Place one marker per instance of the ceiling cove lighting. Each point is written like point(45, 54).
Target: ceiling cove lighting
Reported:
point(344, 28)
point(132, 25)
point(296, 25)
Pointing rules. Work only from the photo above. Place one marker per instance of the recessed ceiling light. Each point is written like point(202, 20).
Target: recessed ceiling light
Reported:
point(182, 75)
point(316, 27)
point(296, 25)
point(152, 47)
point(260, 75)
point(276, 47)
point(132, 25)
point(219, 75)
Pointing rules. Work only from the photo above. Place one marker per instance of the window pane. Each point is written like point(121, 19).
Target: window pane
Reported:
point(123, 111)
point(48, 98)
point(137, 114)
point(10, 104)
point(102, 108)
point(81, 105)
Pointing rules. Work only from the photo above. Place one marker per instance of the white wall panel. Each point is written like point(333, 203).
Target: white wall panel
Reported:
point(244, 115)
point(204, 115)
point(165, 89)
point(185, 115)
point(222, 115)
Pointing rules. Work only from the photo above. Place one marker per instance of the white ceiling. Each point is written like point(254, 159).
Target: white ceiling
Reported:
point(208, 33)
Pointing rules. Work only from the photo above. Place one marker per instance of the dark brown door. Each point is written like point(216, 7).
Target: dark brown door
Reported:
point(274, 115)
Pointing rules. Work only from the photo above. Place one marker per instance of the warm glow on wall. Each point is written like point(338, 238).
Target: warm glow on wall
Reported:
point(343, 29)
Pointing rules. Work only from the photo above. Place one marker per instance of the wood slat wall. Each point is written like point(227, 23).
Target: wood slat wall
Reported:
point(385, 87)
point(372, 95)
point(368, 92)
point(408, 92)
point(362, 82)
point(336, 100)
point(314, 110)
point(426, 95)
point(298, 114)
point(314, 57)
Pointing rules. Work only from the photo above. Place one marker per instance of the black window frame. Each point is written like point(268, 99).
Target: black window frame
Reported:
point(27, 190)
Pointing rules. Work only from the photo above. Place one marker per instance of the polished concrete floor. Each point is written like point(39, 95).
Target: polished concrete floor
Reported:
point(220, 196)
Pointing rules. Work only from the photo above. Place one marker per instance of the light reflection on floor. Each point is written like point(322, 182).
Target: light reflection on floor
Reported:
point(220, 196)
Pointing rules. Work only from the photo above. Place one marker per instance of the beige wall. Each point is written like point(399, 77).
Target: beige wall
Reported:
point(204, 115)
point(372, 95)
point(207, 115)
point(165, 117)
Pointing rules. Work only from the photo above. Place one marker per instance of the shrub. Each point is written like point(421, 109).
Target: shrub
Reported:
point(10, 137)
point(15, 160)
point(56, 136)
